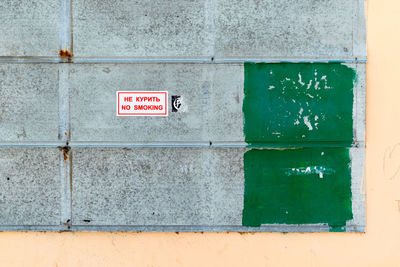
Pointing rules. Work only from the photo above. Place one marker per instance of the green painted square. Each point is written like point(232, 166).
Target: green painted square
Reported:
point(297, 186)
point(306, 103)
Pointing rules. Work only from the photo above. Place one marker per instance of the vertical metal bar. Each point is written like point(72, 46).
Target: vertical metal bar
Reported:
point(66, 200)
point(63, 134)
point(63, 104)
point(65, 28)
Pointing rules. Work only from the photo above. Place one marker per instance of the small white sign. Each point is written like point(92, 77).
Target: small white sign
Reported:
point(142, 103)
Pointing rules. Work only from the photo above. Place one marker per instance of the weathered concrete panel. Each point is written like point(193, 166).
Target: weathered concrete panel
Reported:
point(29, 28)
point(285, 29)
point(138, 28)
point(30, 186)
point(220, 28)
point(29, 102)
point(157, 186)
point(199, 189)
point(212, 102)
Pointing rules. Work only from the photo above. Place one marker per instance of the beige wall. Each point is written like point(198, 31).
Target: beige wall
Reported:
point(379, 246)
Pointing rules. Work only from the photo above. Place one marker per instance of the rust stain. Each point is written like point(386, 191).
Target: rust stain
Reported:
point(70, 173)
point(65, 155)
point(65, 53)
point(65, 150)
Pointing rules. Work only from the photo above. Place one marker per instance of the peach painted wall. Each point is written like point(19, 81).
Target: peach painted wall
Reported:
point(380, 246)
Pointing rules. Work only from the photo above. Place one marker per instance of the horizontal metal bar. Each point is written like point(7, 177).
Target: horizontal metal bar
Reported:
point(292, 60)
point(142, 60)
point(210, 144)
point(54, 228)
point(81, 60)
point(32, 60)
point(176, 144)
point(181, 228)
point(203, 228)
point(149, 144)
point(32, 144)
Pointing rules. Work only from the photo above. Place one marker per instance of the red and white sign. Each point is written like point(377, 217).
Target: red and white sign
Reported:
point(142, 103)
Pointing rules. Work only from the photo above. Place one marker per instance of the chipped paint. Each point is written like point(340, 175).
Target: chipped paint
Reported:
point(318, 95)
point(320, 170)
point(307, 123)
point(310, 104)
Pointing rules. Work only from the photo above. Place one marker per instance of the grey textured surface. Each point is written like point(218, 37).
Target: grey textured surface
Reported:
point(128, 28)
point(212, 102)
point(219, 28)
point(269, 28)
point(29, 28)
point(359, 104)
point(28, 102)
point(357, 156)
point(157, 186)
point(29, 186)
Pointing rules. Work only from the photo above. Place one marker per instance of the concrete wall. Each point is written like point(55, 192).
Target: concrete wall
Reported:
point(379, 246)
point(186, 171)
point(61, 63)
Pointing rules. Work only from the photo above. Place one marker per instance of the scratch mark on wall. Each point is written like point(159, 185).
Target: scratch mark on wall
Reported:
point(391, 162)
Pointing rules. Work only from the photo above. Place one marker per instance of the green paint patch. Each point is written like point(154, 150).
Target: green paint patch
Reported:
point(305, 104)
point(297, 186)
